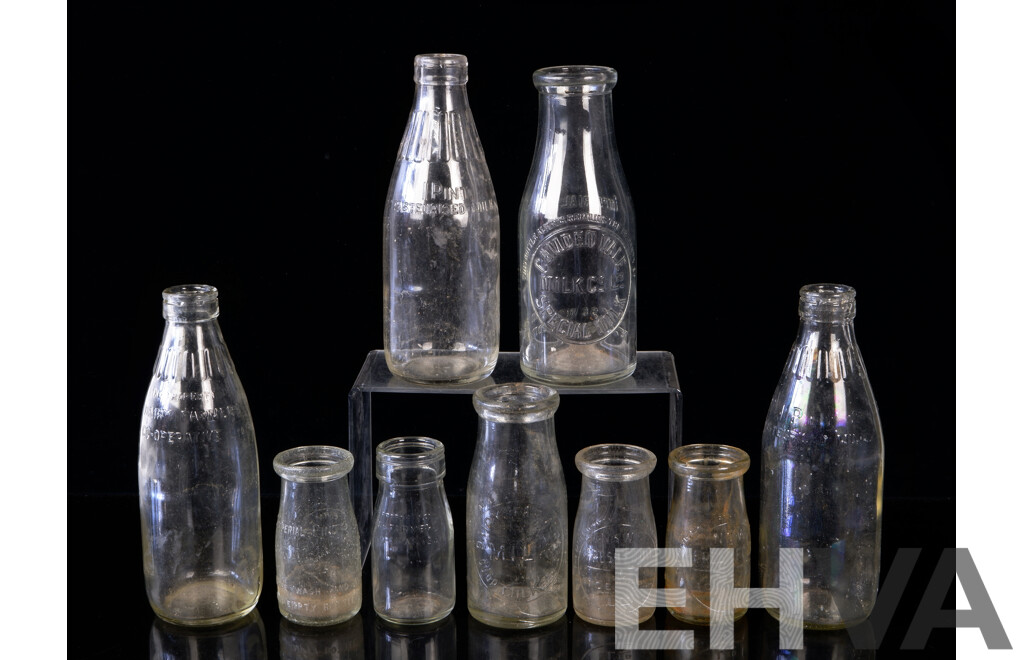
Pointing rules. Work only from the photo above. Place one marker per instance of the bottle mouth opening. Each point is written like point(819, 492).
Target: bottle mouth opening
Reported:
point(615, 462)
point(709, 461)
point(575, 79)
point(440, 69)
point(827, 300)
point(410, 452)
point(516, 402)
point(313, 463)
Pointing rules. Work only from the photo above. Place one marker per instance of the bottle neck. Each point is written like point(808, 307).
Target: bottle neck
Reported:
point(192, 350)
point(581, 121)
point(690, 490)
point(302, 497)
point(628, 491)
point(824, 350)
point(515, 436)
point(441, 127)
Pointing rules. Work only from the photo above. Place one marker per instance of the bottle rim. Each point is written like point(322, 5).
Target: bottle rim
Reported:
point(615, 462)
point(313, 463)
point(827, 300)
point(440, 69)
point(191, 302)
point(575, 79)
point(709, 461)
point(410, 452)
point(516, 402)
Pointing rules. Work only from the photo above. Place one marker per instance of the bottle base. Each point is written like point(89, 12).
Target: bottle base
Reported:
point(569, 380)
point(645, 614)
point(415, 609)
point(200, 604)
point(498, 621)
point(701, 620)
point(441, 369)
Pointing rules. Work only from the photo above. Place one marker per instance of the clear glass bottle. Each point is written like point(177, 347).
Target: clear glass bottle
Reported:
point(319, 572)
point(199, 490)
point(441, 237)
point(708, 510)
point(577, 237)
point(413, 547)
point(821, 465)
point(517, 522)
point(614, 512)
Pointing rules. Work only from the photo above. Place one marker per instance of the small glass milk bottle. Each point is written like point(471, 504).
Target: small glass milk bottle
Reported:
point(517, 521)
point(708, 510)
point(614, 512)
point(319, 572)
point(441, 237)
point(577, 239)
point(413, 547)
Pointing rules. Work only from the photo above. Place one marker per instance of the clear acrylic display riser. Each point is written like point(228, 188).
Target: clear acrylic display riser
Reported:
point(643, 409)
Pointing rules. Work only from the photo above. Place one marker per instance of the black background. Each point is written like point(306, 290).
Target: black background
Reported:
point(765, 148)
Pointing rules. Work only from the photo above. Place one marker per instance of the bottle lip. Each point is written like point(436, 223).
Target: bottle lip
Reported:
point(313, 463)
point(575, 79)
point(191, 302)
point(516, 402)
point(440, 69)
point(709, 461)
point(827, 301)
point(410, 452)
point(615, 462)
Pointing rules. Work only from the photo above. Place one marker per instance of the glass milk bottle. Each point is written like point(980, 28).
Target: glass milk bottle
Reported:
point(199, 489)
point(413, 547)
point(577, 237)
point(821, 465)
point(614, 512)
point(517, 522)
point(708, 511)
point(441, 237)
point(319, 572)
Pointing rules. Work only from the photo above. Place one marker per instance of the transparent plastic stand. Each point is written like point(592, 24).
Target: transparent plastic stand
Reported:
point(655, 374)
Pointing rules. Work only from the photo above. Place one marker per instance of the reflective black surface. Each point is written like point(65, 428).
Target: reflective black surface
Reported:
point(110, 618)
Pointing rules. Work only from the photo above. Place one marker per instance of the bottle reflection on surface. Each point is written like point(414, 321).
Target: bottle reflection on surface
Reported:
point(244, 639)
point(548, 642)
point(702, 641)
point(593, 642)
point(820, 644)
point(343, 641)
point(425, 642)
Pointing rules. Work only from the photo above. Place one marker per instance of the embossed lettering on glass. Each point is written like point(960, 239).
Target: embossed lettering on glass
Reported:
point(517, 523)
point(577, 237)
point(413, 547)
point(441, 237)
point(199, 490)
point(614, 512)
point(319, 572)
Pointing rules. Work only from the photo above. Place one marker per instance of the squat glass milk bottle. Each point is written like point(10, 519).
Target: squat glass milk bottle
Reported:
point(441, 237)
point(199, 490)
point(821, 460)
point(577, 270)
point(517, 517)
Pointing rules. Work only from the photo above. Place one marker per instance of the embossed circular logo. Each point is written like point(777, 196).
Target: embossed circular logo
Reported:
point(580, 280)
